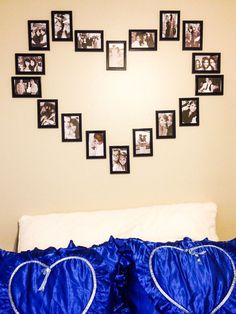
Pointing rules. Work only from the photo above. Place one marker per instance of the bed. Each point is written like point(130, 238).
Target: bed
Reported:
point(157, 259)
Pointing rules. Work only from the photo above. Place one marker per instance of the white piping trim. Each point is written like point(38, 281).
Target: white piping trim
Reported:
point(47, 275)
point(228, 294)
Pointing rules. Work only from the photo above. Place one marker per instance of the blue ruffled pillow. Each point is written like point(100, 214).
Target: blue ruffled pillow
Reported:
point(180, 277)
point(61, 281)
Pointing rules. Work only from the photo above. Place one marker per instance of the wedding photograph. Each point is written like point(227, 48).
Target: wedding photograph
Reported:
point(116, 55)
point(62, 25)
point(169, 25)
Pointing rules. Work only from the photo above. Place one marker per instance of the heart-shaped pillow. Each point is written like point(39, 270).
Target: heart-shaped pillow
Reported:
point(60, 281)
point(195, 280)
point(196, 277)
point(35, 287)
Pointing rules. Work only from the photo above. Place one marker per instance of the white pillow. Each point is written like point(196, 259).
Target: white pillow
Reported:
point(156, 223)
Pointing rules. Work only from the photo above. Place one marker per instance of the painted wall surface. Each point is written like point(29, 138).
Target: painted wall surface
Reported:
point(40, 174)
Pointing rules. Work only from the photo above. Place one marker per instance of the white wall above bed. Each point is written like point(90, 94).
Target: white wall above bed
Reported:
point(40, 174)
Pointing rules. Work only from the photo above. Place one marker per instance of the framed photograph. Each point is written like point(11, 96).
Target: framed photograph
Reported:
point(209, 85)
point(62, 25)
point(89, 41)
point(71, 125)
point(169, 25)
point(165, 124)
point(208, 62)
point(142, 39)
point(26, 86)
point(142, 142)
point(116, 55)
point(189, 111)
point(119, 159)
point(95, 144)
point(38, 35)
point(192, 35)
point(47, 113)
point(27, 63)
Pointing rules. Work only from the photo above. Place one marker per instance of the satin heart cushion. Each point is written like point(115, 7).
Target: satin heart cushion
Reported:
point(181, 277)
point(61, 281)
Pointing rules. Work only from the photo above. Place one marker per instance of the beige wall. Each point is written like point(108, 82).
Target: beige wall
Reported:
point(40, 174)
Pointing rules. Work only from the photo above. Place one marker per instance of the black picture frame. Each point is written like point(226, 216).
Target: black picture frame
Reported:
point(192, 35)
point(116, 55)
point(169, 25)
point(142, 142)
point(142, 39)
point(96, 144)
point(71, 126)
point(30, 63)
point(209, 85)
point(62, 25)
point(119, 159)
point(89, 40)
point(25, 87)
point(38, 35)
point(189, 111)
point(207, 62)
point(165, 124)
point(47, 113)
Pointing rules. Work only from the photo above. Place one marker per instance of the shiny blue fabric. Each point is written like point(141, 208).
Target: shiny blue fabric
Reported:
point(131, 276)
point(26, 288)
point(185, 279)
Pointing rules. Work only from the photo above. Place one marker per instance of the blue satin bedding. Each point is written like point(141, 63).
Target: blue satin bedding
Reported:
point(121, 276)
point(181, 277)
point(65, 281)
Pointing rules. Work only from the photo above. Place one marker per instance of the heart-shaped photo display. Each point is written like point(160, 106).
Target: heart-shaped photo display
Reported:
point(196, 280)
